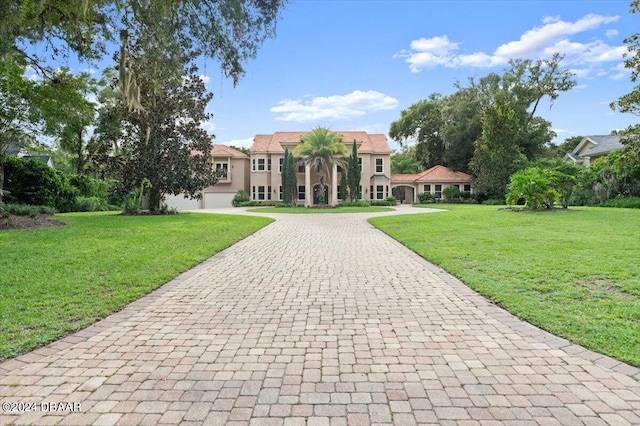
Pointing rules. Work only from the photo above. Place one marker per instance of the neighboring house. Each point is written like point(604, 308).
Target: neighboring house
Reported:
point(234, 168)
point(267, 156)
point(20, 152)
point(591, 148)
point(432, 181)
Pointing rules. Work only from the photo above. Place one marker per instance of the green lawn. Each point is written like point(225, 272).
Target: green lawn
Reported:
point(575, 273)
point(58, 280)
point(304, 210)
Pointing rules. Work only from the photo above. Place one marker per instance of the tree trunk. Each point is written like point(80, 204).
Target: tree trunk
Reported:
point(2, 159)
point(154, 200)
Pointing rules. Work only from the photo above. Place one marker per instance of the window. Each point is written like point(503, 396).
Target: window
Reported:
point(378, 165)
point(260, 192)
point(222, 169)
point(253, 164)
point(260, 163)
point(339, 168)
point(360, 192)
point(427, 189)
point(268, 192)
point(467, 188)
point(438, 191)
point(280, 164)
point(340, 195)
point(380, 192)
point(280, 193)
point(371, 192)
point(300, 167)
point(269, 164)
point(253, 192)
point(301, 192)
point(360, 163)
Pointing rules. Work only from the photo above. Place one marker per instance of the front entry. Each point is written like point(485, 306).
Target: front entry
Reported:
point(316, 195)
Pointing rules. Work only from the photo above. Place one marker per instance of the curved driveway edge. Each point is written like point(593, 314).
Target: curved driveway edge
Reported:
point(317, 320)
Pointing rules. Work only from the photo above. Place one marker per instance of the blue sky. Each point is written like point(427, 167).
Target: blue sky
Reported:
point(355, 65)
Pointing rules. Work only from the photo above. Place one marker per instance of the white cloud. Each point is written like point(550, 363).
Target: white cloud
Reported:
point(240, 143)
point(619, 72)
point(611, 33)
point(337, 107)
point(205, 78)
point(554, 36)
point(208, 126)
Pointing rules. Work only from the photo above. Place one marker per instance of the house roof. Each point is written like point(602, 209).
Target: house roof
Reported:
point(13, 149)
point(434, 174)
point(600, 145)
point(368, 143)
point(218, 150)
point(46, 159)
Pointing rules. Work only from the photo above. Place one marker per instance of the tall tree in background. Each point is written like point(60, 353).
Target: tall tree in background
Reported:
point(631, 101)
point(496, 154)
point(423, 122)
point(64, 105)
point(161, 145)
point(353, 173)
point(14, 109)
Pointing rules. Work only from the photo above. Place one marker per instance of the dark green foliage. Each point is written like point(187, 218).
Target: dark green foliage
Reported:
point(616, 174)
point(353, 173)
point(623, 202)
point(241, 196)
point(405, 162)
point(358, 203)
point(450, 193)
point(288, 178)
point(24, 210)
point(425, 197)
point(33, 182)
point(90, 204)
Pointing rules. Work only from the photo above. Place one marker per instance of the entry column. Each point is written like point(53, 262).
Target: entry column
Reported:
point(307, 186)
point(334, 185)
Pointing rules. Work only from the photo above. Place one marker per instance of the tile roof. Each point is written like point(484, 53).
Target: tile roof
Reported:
point(443, 174)
point(434, 174)
point(218, 150)
point(368, 143)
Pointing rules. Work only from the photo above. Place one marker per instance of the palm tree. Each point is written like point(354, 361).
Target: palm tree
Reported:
point(319, 149)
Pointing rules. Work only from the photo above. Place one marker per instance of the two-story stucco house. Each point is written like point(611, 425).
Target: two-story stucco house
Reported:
point(234, 167)
point(267, 156)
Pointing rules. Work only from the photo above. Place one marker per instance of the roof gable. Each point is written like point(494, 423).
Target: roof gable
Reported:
point(218, 150)
point(595, 145)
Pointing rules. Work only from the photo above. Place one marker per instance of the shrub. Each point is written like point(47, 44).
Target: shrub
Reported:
point(90, 204)
point(535, 186)
point(392, 200)
point(255, 203)
point(29, 181)
point(24, 210)
point(450, 193)
point(359, 203)
point(494, 202)
point(241, 196)
point(425, 197)
point(623, 202)
point(381, 203)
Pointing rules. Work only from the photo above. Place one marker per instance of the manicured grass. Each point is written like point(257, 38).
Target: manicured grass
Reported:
point(304, 210)
point(57, 280)
point(574, 273)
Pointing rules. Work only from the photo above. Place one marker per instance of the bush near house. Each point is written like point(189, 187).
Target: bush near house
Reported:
point(29, 181)
point(425, 197)
point(241, 196)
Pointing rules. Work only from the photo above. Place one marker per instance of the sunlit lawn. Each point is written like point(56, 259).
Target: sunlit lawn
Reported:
point(61, 279)
point(305, 210)
point(575, 273)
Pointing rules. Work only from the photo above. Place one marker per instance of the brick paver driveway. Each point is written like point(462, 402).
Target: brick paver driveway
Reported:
point(318, 320)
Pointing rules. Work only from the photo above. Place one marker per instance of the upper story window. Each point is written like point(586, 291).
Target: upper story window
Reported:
point(269, 164)
point(260, 163)
point(280, 164)
point(223, 170)
point(360, 163)
point(300, 167)
point(378, 165)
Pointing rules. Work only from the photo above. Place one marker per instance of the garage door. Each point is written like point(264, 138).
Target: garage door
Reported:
point(181, 203)
point(216, 200)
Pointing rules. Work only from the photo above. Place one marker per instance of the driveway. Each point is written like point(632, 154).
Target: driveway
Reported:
point(317, 320)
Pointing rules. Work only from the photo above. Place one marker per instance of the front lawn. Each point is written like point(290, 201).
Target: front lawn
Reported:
point(58, 280)
point(574, 273)
point(306, 210)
